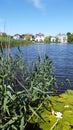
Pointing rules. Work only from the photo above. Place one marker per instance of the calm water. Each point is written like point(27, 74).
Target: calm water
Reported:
point(61, 56)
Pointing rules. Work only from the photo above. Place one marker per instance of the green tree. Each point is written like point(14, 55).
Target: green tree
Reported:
point(27, 38)
point(47, 40)
point(69, 37)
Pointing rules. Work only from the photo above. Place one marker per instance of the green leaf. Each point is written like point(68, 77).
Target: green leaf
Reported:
point(14, 127)
point(5, 104)
point(0, 127)
point(10, 122)
point(34, 112)
point(22, 123)
point(42, 91)
point(8, 128)
point(13, 97)
point(10, 88)
point(7, 110)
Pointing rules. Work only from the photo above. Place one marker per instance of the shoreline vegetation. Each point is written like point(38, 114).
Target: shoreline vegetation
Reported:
point(26, 98)
point(22, 93)
point(7, 40)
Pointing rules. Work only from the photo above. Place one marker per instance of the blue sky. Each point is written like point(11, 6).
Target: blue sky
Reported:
point(33, 16)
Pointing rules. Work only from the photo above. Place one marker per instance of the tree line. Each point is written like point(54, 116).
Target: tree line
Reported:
point(47, 39)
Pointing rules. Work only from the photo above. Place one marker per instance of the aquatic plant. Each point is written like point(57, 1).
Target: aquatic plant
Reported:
point(23, 93)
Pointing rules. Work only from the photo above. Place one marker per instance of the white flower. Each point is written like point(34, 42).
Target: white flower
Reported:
point(58, 114)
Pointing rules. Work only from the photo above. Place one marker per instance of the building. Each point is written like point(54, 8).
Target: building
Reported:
point(53, 39)
point(39, 37)
point(16, 36)
point(62, 38)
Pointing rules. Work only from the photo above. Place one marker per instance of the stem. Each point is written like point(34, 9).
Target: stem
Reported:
point(22, 85)
point(54, 124)
point(33, 113)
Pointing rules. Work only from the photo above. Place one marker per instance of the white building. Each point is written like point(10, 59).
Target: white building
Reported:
point(62, 38)
point(53, 39)
point(16, 36)
point(39, 37)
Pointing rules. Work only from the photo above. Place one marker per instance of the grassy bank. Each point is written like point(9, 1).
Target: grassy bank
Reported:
point(7, 41)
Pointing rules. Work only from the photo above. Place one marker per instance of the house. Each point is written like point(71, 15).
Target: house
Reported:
point(62, 38)
point(16, 36)
point(30, 35)
point(53, 39)
point(39, 37)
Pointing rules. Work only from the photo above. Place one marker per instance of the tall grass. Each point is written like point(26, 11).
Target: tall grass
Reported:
point(17, 107)
point(8, 41)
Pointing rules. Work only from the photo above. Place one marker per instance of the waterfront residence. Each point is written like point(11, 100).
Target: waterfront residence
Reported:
point(16, 36)
point(39, 37)
point(53, 39)
point(62, 38)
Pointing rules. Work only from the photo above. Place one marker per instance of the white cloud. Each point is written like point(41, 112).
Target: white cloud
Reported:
point(37, 4)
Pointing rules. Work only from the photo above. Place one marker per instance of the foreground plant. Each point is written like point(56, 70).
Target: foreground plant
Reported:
point(18, 107)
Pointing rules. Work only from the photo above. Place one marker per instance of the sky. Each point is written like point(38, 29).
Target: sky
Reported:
point(49, 17)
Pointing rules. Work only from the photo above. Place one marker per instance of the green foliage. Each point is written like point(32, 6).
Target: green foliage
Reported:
point(32, 103)
point(69, 92)
point(47, 40)
point(18, 107)
point(27, 38)
point(42, 78)
point(64, 104)
point(8, 41)
point(69, 37)
point(4, 34)
point(10, 68)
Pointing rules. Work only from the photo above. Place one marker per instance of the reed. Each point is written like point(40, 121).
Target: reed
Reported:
point(17, 107)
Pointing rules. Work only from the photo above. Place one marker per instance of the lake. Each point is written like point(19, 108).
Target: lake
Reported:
point(61, 56)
